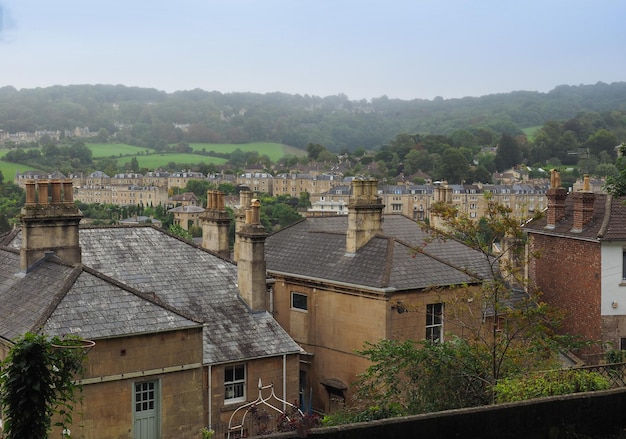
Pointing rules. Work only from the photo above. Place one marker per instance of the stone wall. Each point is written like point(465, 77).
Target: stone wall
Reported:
point(591, 415)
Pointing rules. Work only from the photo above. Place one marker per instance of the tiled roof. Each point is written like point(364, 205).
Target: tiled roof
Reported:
point(139, 279)
point(315, 248)
point(608, 221)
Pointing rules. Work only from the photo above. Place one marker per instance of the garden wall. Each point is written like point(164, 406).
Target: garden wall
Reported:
point(591, 415)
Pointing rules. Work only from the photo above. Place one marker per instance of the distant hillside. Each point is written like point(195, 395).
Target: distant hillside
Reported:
point(146, 117)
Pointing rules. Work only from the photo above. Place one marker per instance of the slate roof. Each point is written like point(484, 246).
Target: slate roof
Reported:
point(608, 221)
point(315, 248)
point(138, 279)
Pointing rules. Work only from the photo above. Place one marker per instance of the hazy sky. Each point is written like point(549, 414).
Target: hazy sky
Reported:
point(363, 48)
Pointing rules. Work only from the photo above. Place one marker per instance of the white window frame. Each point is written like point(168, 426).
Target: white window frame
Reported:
point(434, 322)
point(235, 384)
point(293, 303)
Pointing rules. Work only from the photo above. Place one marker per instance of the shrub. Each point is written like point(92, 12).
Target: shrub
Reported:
point(560, 382)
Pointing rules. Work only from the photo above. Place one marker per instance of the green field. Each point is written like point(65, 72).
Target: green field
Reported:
point(101, 150)
point(147, 158)
point(275, 151)
point(530, 131)
point(159, 160)
point(9, 169)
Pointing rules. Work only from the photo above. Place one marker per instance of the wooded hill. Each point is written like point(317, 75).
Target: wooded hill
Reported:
point(146, 117)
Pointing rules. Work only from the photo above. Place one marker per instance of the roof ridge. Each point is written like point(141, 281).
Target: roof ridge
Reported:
point(151, 297)
point(607, 216)
point(288, 226)
point(444, 261)
point(7, 237)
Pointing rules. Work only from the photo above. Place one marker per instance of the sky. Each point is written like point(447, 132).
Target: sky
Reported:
point(364, 49)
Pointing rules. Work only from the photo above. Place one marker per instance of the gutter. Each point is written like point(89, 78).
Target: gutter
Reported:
point(386, 290)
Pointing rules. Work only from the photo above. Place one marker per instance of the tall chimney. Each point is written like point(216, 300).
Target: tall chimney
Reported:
point(49, 222)
point(365, 212)
point(215, 224)
point(245, 197)
point(556, 196)
point(583, 206)
point(251, 263)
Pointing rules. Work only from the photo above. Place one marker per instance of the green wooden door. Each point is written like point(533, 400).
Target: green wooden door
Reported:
point(146, 420)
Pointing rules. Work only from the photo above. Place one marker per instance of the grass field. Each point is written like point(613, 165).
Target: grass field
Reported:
point(155, 161)
point(275, 151)
point(530, 131)
point(9, 169)
point(101, 150)
point(147, 158)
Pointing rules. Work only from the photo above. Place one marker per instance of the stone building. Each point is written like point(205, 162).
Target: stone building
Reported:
point(415, 201)
point(339, 281)
point(260, 182)
point(294, 184)
point(180, 341)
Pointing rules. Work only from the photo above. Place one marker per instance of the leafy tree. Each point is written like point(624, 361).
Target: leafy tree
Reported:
point(479, 174)
point(508, 154)
point(463, 139)
point(37, 381)
point(453, 167)
point(198, 187)
point(412, 161)
point(602, 140)
point(314, 150)
point(304, 200)
point(177, 230)
point(133, 165)
point(606, 170)
point(616, 184)
point(402, 144)
point(103, 135)
point(79, 151)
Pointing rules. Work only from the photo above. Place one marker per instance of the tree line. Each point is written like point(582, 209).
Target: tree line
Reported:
point(151, 118)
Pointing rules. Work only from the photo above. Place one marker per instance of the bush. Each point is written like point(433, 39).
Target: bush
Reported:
point(560, 382)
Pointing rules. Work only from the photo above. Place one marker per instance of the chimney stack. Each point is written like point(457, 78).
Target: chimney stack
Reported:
point(50, 221)
point(215, 224)
point(251, 272)
point(583, 206)
point(556, 196)
point(245, 197)
point(365, 212)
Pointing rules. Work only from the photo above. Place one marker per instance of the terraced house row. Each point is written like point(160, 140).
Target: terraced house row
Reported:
point(329, 193)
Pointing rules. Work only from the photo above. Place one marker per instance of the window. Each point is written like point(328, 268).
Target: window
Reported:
point(434, 322)
point(299, 301)
point(235, 383)
point(144, 396)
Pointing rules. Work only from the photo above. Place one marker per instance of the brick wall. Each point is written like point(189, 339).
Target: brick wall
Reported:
point(567, 272)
